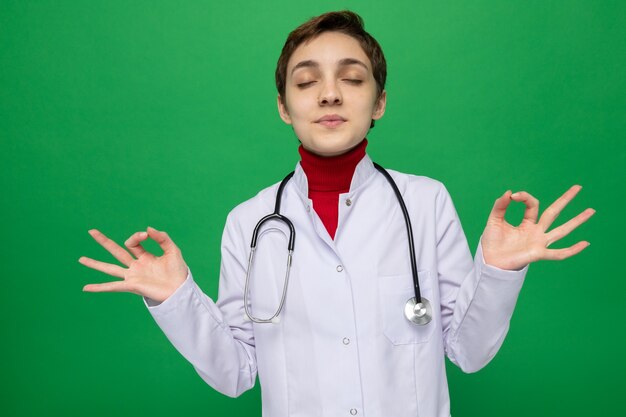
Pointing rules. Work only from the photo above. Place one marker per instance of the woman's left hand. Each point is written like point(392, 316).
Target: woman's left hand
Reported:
point(508, 247)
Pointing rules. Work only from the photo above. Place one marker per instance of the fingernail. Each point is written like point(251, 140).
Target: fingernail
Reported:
point(514, 195)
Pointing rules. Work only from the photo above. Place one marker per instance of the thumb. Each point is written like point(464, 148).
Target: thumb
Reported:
point(500, 206)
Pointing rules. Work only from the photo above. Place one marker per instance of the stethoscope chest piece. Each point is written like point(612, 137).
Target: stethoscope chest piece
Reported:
point(418, 313)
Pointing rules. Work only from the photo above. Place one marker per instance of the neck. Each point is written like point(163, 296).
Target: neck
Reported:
point(332, 173)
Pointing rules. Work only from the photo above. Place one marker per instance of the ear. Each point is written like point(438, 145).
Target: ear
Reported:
point(282, 111)
point(379, 109)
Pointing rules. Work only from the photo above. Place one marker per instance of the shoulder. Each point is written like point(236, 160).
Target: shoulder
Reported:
point(417, 184)
point(254, 208)
point(422, 192)
point(426, 194)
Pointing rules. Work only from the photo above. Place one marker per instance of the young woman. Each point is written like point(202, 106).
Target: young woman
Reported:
point(345, 342)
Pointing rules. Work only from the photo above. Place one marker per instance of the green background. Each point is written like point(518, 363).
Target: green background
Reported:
point(117, 115)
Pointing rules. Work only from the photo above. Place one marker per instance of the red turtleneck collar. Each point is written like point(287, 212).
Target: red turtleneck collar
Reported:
point(327, 178)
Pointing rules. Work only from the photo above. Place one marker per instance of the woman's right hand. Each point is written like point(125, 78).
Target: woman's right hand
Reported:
point(155, 277)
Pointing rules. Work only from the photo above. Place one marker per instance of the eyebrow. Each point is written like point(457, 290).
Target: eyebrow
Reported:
point(342, 63)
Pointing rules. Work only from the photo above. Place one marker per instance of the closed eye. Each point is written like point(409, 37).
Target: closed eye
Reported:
point(303, 85)
point(350, 80)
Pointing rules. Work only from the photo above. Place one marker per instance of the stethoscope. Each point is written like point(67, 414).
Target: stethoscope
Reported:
point(417, 309)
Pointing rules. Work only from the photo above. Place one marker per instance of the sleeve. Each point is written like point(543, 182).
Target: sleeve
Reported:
point(214, 337)
point(477, 300)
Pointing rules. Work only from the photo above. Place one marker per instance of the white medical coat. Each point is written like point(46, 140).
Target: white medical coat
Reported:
point(343, 346)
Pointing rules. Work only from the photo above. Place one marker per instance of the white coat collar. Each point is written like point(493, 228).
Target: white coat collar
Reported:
point(362, 173)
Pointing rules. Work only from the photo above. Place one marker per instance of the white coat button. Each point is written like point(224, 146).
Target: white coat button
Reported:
point(348, 202)
point(346, 341)
point(308, 208)
point(353, 411)
point(339, 268)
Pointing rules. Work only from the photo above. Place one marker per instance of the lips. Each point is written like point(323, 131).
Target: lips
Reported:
point(331, 120)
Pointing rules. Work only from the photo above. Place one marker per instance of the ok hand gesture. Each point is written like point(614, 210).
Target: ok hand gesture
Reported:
point(509, 247)
point(155, 277)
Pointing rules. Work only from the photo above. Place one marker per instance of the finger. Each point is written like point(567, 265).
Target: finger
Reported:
point(133, 243)
point(532, 205)
point(163, 239)
point(564, 229)
point(114, 249)
point(499, 207)
point(115, 286)
point(110, 269)
point(559, 254)
point(551, 213)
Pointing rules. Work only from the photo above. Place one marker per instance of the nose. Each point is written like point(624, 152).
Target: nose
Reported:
point(330, 94)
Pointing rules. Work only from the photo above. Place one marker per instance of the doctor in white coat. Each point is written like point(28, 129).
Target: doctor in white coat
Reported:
point(342, 345)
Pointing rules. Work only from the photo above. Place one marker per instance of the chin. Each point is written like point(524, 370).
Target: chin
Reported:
point(332, 147)
point(331, 150)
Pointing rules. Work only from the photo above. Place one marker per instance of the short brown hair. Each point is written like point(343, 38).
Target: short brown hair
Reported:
point(344, 21)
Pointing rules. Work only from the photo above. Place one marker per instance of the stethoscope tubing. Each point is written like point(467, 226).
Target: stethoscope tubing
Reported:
point(417, 310)
point(409, 231)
